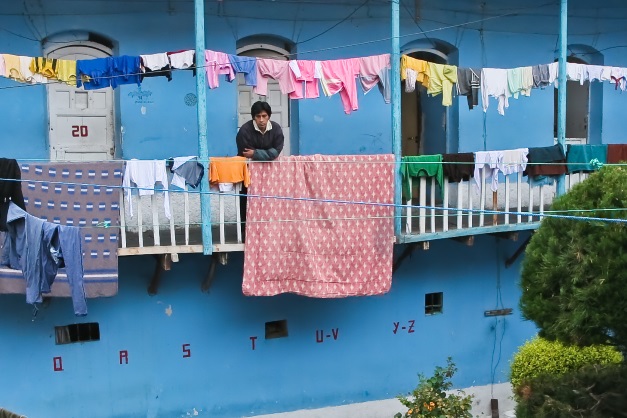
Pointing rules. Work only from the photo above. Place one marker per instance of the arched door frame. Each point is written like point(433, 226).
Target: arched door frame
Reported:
point(62, 44)
point(267, 46)
point(449, 54)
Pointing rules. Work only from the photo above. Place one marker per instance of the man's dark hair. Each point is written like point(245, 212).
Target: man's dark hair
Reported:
point(259, 107)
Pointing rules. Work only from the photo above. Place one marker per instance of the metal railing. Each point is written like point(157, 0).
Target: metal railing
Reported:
point(149, 231)
point(461, 206)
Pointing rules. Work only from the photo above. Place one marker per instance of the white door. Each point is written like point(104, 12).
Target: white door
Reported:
point(80, 121)
point(278, 101)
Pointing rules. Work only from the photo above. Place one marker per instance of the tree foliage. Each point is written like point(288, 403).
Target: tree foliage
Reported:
point(591, 392)
point(574, 276)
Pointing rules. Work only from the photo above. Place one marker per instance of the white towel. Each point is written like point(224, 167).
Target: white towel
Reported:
point(489, 161)
point(494, 83)
point(144, 174)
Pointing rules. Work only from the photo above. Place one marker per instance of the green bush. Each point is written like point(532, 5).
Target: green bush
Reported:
point(539, 357)
point(591, 392)
point(430, 398)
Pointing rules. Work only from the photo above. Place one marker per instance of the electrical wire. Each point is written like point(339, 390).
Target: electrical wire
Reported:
point(597, 51)
point(298, 161)
point(422, 32)
point(416, 22)
point(335, 25)
point(498, 305)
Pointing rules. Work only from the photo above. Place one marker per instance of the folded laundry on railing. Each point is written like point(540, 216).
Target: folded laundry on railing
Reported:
point(616, 153)
point(546, 161)
point(421, 166)
point(145, 173)
point(187, 170)
point(226, 171)
point(514, 161)
point(489, 162)
point(458, 167)
point(580, 156)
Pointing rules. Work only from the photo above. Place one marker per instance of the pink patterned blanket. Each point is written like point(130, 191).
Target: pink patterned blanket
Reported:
point(315, 248)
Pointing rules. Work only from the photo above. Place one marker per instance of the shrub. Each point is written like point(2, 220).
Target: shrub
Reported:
point(592, 392)
point(539, 357)
point(430, 399)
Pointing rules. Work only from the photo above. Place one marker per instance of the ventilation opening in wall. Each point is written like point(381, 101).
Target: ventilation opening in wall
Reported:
point(276, 329)
point(76, 333)
point(433, 303)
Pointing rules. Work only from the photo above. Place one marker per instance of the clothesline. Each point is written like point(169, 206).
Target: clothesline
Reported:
point(300, 79)
point(43, 160)
point(545, 214)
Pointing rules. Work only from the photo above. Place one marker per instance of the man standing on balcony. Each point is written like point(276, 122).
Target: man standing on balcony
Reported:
point(260, 140)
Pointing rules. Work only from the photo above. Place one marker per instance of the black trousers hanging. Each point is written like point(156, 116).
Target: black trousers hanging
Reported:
point(243, 199)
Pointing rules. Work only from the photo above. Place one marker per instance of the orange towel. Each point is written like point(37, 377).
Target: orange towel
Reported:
point(228, 170)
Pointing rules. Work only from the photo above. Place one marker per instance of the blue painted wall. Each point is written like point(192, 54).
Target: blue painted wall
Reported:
point(224, 376)
point(168, 126)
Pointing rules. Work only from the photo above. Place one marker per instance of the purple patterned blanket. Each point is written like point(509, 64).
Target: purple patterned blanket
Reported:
point(76, 194)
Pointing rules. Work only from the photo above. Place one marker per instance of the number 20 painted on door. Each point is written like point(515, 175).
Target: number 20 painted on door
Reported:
point(79, 131)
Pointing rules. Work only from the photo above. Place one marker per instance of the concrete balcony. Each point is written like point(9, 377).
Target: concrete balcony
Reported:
point(456, 210)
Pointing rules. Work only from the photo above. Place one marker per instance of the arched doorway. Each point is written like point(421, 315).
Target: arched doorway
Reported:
point(80, 122)
point(427, 127)
point(280, 103)
point(584, 102)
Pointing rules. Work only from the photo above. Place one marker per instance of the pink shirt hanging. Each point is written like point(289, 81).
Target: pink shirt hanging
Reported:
point(338, 76)
point(306, 80)
point(370, 68)
point(217, 63)
point(276, 69)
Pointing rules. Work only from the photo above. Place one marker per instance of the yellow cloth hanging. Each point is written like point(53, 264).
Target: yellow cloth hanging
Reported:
point(66, 71)
point(441, 80)
point(44, 66)
point(419, 66)
point(12, 67)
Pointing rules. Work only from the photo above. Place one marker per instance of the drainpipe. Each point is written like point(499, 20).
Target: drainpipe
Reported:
point(396, 115)
point(561, 92)
point(203, 150)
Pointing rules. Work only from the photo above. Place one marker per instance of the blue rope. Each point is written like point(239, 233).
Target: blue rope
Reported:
point(345, 202)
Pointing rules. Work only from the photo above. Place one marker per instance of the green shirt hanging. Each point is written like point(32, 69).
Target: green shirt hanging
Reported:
point(421, 166)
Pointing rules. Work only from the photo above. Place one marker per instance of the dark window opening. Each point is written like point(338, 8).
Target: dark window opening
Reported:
point(433, 303)
point(276, 329)
point(577, 106)
point(99, 39)
point(76, 333)
point(423, 122)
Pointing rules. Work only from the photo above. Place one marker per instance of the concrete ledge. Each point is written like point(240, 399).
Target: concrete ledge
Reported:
point(388, 407)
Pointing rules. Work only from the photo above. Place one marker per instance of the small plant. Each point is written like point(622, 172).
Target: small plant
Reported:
point(430, 399)
point(539, 357)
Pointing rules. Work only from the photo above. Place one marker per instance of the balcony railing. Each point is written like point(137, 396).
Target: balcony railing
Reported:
point(462, 209)
point(149, 231)
point(455, 210)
